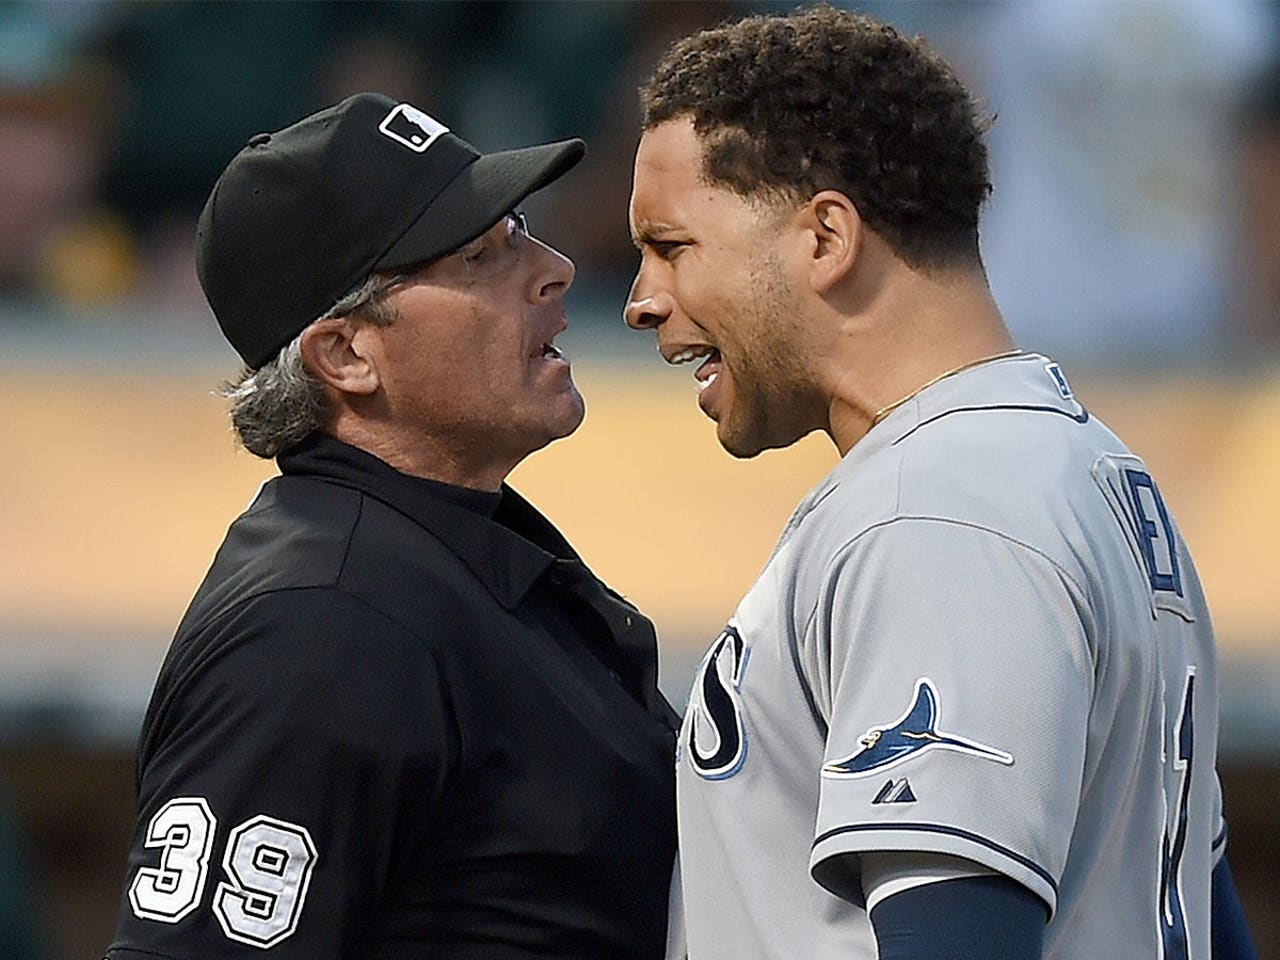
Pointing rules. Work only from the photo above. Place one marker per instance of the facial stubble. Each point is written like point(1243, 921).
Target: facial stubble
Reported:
point(775, 399)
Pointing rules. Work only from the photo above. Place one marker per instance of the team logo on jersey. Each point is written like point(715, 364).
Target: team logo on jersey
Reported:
point(716, 735)
point(409, 126)
point(913, 732)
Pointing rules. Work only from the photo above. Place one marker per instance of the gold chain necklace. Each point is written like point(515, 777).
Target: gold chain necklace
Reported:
point(885, 411)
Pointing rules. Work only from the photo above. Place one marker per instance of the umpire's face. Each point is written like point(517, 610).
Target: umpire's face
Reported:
point(468, 374)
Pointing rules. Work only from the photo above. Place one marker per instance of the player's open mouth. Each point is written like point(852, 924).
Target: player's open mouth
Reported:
point(706, 373)
point(550, 351)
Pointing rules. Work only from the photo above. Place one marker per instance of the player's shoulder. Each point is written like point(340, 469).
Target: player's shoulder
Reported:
point(1000, 445)
point(1007, 448)
point(985, 465)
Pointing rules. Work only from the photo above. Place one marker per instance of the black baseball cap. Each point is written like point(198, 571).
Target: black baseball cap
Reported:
point(301, 216)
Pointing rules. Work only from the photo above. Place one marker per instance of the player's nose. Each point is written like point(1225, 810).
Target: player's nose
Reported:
point(646, 309)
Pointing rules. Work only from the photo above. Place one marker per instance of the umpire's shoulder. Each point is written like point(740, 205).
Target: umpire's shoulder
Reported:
point(303, 536)
point(293, 536)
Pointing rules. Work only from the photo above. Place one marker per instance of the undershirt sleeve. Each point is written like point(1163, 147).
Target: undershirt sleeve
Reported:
point(1229, 929)
point(976, 918)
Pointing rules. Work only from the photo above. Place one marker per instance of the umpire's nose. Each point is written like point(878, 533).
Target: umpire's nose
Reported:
point(646, 309)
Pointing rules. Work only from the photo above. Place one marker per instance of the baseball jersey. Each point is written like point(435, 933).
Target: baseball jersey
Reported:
point(981, 635)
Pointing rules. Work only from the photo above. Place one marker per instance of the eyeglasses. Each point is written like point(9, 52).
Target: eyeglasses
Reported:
point(493, 253)
point(497, 250)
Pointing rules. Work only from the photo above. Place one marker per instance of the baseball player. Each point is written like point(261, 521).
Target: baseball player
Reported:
point(972, 697)
point(401, 718)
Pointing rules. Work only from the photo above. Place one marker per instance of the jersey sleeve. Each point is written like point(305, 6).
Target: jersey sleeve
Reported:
point(292, 752)
point(957, 700)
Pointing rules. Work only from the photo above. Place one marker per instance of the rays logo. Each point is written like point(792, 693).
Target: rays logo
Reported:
point(715, 735)
point(913, 732)
point(409, 126)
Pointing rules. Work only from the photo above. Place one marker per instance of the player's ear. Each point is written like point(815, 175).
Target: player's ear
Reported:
point(832, 221)
point(340, 351)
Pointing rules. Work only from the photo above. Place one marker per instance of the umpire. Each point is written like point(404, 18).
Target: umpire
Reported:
point(401, 718)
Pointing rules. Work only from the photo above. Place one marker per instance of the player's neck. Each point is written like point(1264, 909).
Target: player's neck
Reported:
point(920, 330)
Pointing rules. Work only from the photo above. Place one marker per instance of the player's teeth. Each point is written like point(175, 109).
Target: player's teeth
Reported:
point(692, 353)
point(703, 384)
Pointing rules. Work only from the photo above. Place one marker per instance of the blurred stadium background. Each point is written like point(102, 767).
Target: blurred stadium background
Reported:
point(1134, 234)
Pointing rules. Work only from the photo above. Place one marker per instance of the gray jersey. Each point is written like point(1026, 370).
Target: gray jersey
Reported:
point(982, 636)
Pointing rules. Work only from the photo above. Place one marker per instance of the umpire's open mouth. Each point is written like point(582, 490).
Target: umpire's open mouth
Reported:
point(548, 356)
point(544, 347)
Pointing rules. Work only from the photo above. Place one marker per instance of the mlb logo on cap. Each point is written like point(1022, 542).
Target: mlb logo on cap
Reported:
point(408, 125)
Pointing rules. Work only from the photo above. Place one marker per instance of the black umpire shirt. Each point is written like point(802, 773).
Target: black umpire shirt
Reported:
point(401, 720)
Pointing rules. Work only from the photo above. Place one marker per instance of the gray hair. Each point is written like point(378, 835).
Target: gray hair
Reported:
point(282, 402)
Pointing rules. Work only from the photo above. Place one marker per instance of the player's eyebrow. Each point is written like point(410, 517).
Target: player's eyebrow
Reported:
point(647, 233)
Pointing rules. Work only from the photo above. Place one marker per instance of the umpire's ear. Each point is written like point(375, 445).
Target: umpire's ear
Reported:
point(337, 350)
point(835, 229)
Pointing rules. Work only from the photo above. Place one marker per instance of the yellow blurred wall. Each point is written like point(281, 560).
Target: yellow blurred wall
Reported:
point(114, 494)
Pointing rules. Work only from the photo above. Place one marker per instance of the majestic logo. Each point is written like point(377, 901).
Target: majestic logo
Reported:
point(409, 126)
point(915, 731)
point(717, 737)
point(895, 791)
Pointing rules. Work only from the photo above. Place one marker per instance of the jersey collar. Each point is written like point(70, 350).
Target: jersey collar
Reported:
point(1028, 381)
point(508, 553)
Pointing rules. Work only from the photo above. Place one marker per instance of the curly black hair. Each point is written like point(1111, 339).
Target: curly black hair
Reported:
point(822, 98)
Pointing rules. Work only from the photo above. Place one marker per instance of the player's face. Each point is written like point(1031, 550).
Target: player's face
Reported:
point(470, 361)
point(714, 286)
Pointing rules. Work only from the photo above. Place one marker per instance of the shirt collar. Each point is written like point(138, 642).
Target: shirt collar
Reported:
point(508, 553)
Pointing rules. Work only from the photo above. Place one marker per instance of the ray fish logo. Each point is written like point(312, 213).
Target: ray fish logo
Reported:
point(410, 127)
point(913, 732)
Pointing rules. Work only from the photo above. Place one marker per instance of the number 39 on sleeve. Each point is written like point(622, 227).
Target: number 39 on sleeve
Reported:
point(268, 865)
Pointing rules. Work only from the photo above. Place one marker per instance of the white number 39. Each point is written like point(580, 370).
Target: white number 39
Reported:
point(268, 864)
